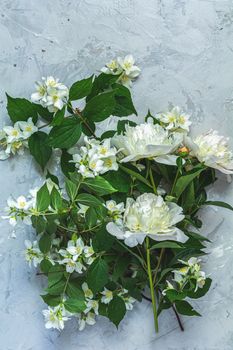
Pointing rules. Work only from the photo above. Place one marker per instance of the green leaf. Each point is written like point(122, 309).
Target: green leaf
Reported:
point(101, 83)
point(55, 274)
point(184, 181)
point(81, 89)
point(91, 217)
point(52, 177)
point(56, 200)
point(66, 134)
point(120, 266)
point(42, 198)
point(51, 300)
point(108, 134)
point(102, 240)
point(184, 308)
point(39, 148)
point(45, 265)
point(100, 107)
point(167, 244)
point(119, 180)
point(134, 174)
point(196, 235)
point(200, 291)
point(124, 105)
point(43, 112)
point(97, 275)
point(39, 223)
point(59, 116)
point(71, 189)
point(122, 123)
point(20, 109)
point(116, 310)
point(73, 291)
point(99, 185)
point(66, 166)
point(219, 204)
point(173, 295)
point(75, 305)
point(89, 200)
point(57, 288)
point(45, 243)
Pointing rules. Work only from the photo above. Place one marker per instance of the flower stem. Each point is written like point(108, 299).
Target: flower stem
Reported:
point(152, 181)
point(151, 285)
point(174, 183)
point(158, 265)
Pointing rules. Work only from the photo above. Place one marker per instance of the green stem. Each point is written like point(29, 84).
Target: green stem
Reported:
point(158, 265)
point(151, 285)
point(152, 181)
point(174, 183)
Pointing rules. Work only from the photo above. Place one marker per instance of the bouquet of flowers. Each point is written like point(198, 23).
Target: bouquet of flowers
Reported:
point(120, 222)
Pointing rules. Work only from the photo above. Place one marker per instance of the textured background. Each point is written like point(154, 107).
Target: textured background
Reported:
point(185, 50)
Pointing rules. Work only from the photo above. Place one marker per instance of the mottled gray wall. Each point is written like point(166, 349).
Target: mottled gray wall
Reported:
point(185, 51)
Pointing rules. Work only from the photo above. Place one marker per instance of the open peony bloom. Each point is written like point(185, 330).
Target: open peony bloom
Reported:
point(149, 216)
point(148, 141)
point(212, 149)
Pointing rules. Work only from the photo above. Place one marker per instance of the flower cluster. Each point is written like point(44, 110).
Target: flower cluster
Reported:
point(95, 157)
point(175, 120)
point(189, 273)
point(55, 317)
point(148, 215)
point(50, 93)
point(125, 68)
point(13, 139)
point(21, 209)
point(76, 256)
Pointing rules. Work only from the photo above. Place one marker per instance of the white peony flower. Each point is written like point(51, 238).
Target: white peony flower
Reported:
point(50, 94)
point(175, 120)
point(148, 141)
point(55, 317)
point(33, 253)
point(84, 319)
point(107, 296)
point(213, 150)
point(149, 216)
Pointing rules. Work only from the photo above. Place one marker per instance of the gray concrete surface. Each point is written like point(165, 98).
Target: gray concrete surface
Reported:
point(185, 51)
